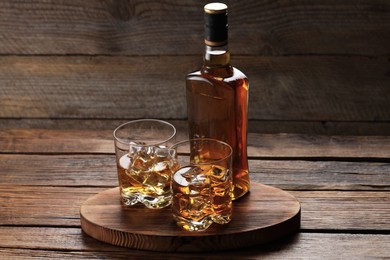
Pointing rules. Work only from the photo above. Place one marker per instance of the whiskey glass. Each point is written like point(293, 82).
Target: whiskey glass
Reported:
point(202, 186)
point(144, 162)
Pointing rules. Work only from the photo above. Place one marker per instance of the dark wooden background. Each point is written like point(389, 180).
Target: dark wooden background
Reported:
point(314, 66)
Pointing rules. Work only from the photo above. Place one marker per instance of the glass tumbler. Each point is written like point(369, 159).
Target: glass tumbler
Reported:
point(144, 162)
point(202, 186)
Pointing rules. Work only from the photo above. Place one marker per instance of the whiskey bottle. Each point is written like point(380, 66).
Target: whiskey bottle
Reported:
point(217, 96)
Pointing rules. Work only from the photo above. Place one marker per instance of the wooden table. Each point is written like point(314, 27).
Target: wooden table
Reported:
point(342, 182)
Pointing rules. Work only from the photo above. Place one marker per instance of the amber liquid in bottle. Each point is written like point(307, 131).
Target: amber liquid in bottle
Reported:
point(217, 102)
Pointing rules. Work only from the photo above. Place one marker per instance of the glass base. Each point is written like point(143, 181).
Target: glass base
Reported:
point(219, 219)
point(192, 225)
point(149, 201)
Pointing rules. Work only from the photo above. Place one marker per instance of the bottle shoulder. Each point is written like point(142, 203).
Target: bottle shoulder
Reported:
point(236, 75)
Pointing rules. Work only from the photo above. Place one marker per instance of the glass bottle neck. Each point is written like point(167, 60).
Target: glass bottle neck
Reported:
point(216, 61)
point(216, 56)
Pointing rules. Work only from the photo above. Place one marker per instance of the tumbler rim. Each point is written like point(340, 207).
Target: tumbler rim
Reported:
point(205, 139)
point(120, 140)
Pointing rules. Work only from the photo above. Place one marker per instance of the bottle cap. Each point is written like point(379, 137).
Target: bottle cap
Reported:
point(216, 24)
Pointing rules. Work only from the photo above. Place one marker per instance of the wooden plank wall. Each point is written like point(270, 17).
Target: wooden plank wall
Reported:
point(314, 66)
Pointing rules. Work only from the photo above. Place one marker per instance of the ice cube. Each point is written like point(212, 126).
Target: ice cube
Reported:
point(142, 158)
point(156, 183)
point(124, 161)
point(219, 173)
point(135, 179)
point(160, 166)
point(162, 151)
point(140, 148)
point(140, 163)
point(185, 175)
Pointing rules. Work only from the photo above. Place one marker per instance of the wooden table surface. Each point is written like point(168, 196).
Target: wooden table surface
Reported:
point(342, 183)
point(70, 71)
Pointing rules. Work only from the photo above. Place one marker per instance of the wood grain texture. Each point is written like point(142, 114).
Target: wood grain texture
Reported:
point(314, 127)
point(315, 67)
point(309, 146)
point(71, 243)
point(326, 175)
point(132, 27)
point(345, 209)
point(104, 87)
point(259, 145)
point(254, 126)
point(42, 206)
point(318, 88)
point(63, 170)
point(45, 177)
point(281, 88)
point(339, 211)
point(56, 141)
point(300, 88)
point(100, 171)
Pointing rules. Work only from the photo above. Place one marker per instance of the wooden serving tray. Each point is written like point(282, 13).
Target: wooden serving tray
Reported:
point(263, 215)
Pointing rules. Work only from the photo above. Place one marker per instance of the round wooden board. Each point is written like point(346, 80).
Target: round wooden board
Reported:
point(263, 215)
